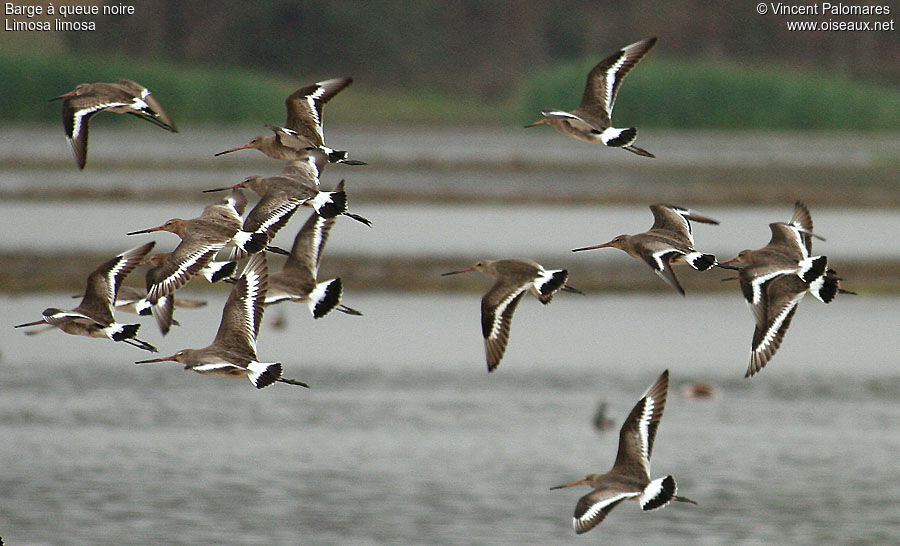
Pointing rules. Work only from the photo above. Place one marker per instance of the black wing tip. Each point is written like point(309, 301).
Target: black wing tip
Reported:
point(337, 204)
point(666, 493)
point(128, 331)
point(704, 262)
point(270, 375)
point(225, 271)
point(330, 299)
point(256, 243)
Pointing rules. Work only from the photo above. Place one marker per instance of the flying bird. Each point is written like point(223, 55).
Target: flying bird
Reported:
point(303, 127)
point(233, 351)
point(201, 239)
point(669, 241)
point(775, 278)
point(297, 279)
point(94, 315)
point(289, 145)
point(512, 278)
point(629, 478)
point(280, 195)
point(591, 121)
point(120, 97)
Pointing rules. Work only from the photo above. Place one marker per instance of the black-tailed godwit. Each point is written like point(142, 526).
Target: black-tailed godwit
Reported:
point(233, 351)
point(303, 127)
point(94, 315)
point(280, 196)
point(201, 239)
point(297, 280)
point(776, 277)
point(629, 478)
point(591, 121)
point(120, 97)
point(288, 145)
point(512, 278)
point(669, 241)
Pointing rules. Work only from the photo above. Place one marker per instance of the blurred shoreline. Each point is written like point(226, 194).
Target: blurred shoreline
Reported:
point(25, 272)
point(456, 194)
point(441, 164)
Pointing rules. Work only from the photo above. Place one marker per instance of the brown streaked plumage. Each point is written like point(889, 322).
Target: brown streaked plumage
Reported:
point(297, 280)
point(288, 145)
point(280, 196)
point(136, 300)
point(120, 97)
point(512, 278)
point(669, 241)
point(776, 277)
point(94, 315)
point(591, 121)
point(233, 351)
point(201, 239)
point(629, 478)
point(303, 127)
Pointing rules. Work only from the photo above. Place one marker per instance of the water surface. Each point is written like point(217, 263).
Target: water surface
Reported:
point(405, 438)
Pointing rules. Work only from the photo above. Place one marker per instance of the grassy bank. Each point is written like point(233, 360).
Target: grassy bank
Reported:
point(26, 272)
point(202, 94)
point(724, 95)
point(660, 93)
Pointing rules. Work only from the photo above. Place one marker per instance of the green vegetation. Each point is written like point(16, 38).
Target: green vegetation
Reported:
point(231, 95)
point(187, 94)
point(720, 95)
point(660, 93)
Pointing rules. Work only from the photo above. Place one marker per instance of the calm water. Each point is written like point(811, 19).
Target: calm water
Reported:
point(464, 230)
point(404, 437)
point(129, 140)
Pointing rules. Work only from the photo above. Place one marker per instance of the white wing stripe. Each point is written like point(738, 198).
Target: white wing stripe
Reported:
point(610, 81)
point(163, 287)
point(501, 307)
point(595, 509)
point(796, 231)
point(317, 244)
point(757, 283)
point(644, 432)
point(254, 283)
point(776, 323)
point(657, 257)
point(79, 115)
point(119, 266)
point(277, 214)
point(213, 366)
point(687, 225)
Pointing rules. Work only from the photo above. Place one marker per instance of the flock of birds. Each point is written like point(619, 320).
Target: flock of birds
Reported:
point(773, 279)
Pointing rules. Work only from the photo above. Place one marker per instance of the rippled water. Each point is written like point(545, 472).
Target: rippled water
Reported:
point(464, 230)
point(404, 437)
